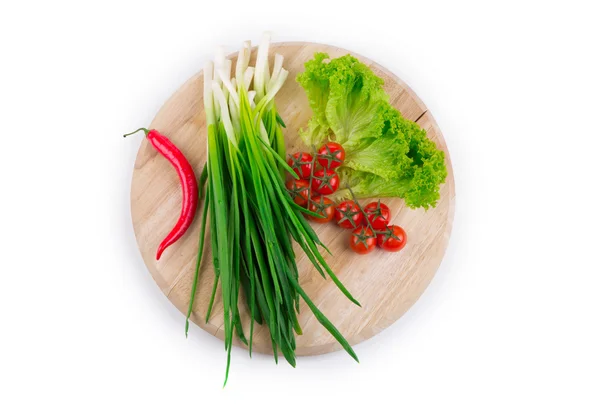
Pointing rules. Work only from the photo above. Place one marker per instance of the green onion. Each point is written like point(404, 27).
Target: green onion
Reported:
point(253, 220)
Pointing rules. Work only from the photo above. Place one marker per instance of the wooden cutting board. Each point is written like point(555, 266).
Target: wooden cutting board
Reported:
point(386, 284)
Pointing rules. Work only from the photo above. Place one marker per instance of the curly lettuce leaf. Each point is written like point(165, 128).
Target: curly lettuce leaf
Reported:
point(356, 104)
point(386, 155)
point(346, 99)
point(315, 81)
point(422, 189)
point(422, 171)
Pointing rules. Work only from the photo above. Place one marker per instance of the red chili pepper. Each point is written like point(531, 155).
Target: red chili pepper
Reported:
point(187, 178)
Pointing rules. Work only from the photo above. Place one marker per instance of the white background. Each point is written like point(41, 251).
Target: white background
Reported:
point(513, 314)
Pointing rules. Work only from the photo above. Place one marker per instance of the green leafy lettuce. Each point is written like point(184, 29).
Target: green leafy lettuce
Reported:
point(386, 154)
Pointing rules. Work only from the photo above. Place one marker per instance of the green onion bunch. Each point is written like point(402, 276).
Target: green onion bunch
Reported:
point(252, 219)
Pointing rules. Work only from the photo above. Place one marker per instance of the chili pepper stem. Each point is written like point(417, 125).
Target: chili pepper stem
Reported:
point(146, 131)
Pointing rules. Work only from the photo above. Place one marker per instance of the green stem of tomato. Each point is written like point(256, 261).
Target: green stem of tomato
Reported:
point(312, 172)
point(362, 211)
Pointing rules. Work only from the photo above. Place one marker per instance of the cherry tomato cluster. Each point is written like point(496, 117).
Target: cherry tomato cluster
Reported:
point(372, 230)
point(316, 183)
point(370, 225)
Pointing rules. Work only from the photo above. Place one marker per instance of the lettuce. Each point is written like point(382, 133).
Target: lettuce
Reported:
point(386, 155)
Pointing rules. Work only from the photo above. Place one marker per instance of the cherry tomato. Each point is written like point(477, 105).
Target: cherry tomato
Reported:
point(301, 163)
point(392, 239)
point(325, 182)
point(378, 215)
point(331, 155)
point(298, 190)
point(348, 215)
point(323, 206)
point(362, 240)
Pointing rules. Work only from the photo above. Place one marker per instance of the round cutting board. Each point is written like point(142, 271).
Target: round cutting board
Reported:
point(386, 284)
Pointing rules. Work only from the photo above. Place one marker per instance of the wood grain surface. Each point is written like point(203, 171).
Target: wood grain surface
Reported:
point(386, 284)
